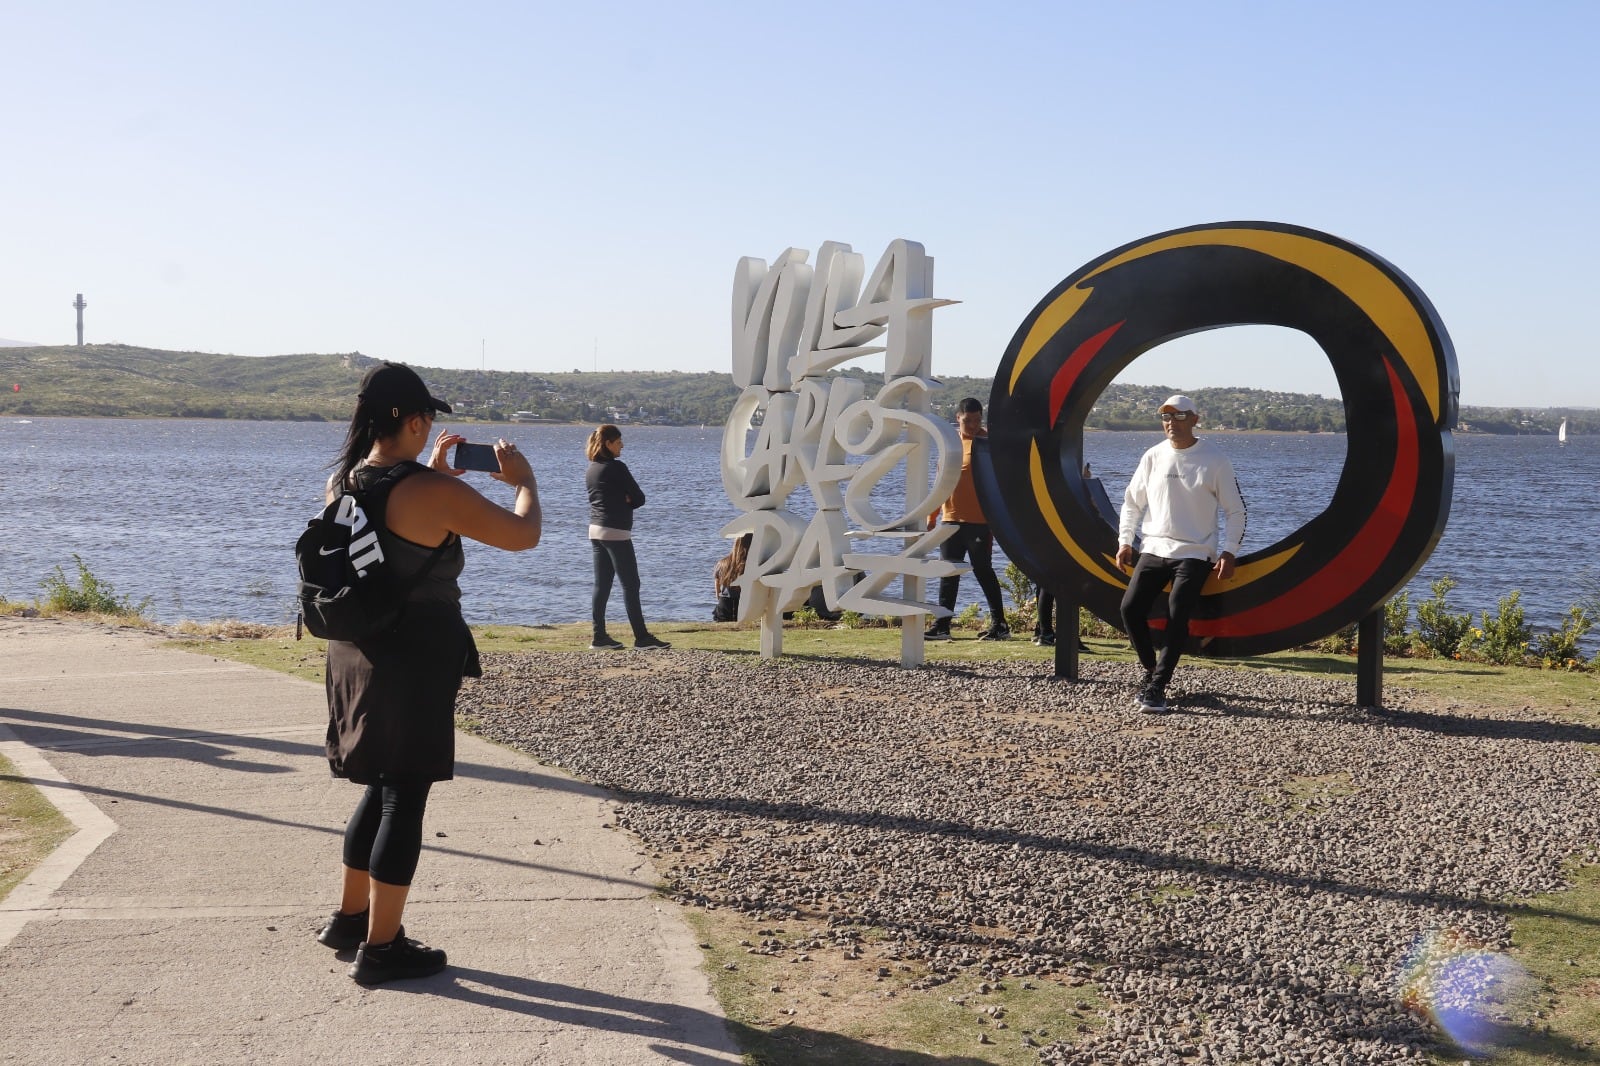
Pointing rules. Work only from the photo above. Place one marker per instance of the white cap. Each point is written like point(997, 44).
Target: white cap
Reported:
point(1179, 403)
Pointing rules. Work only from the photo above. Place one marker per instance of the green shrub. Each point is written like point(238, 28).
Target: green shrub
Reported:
point(1091, 626)
point(804, 617)
point(967, 619)
point(1341, 643)
point(1559, 649)
point(1441, 632)
point(1504, 638)
point(1397, 635)
point(1397, 639)
point(89, 596)
point(1024, 612)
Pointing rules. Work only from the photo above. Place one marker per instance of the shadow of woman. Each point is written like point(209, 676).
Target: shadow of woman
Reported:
point(569, 1006)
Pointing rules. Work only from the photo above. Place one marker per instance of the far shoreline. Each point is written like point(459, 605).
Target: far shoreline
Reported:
point(16, 418)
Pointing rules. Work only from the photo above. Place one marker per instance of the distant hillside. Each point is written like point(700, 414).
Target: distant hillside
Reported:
point(14, 344)
point(116, 380)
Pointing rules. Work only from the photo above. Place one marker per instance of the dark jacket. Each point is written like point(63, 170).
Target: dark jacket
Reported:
point(613, 494)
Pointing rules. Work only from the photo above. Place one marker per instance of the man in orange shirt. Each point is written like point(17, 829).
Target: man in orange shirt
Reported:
point(972, 540)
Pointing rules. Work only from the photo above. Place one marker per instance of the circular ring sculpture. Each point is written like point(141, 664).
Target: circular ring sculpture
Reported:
point(1396, 371)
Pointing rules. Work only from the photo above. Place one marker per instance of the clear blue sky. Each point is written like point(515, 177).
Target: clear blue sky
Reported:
point(550, 187)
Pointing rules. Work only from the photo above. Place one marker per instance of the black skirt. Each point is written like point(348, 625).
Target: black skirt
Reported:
point(391, 700)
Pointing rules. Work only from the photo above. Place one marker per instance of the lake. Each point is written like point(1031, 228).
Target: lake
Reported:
point(201, 516)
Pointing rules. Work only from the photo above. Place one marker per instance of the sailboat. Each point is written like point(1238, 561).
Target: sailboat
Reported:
point(1561, 434)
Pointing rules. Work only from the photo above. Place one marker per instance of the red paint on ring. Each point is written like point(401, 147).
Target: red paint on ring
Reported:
point(1064, 379)
point(1359, 559)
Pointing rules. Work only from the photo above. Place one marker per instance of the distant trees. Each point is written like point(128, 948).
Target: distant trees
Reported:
point(122, 380)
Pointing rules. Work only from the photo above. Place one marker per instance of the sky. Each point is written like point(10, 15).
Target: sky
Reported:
point(548, 187)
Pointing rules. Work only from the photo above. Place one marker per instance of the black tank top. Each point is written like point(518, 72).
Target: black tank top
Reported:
point(408, 558)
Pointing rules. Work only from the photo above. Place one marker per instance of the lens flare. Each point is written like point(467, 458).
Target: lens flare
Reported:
point(1463, 987)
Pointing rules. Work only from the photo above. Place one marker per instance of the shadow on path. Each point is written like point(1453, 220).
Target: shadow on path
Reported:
point(95, 736)
point(337, 831)
point(565, 1005)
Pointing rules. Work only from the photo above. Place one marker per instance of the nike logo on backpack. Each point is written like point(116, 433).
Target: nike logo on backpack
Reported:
point(330, 551)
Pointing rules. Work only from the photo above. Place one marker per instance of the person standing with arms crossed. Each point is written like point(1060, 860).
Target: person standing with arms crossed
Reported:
point(971, 538)
point(613, 497)
point(1173, 499)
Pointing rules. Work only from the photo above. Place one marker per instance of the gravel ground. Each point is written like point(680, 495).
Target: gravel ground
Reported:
point(1244, 878)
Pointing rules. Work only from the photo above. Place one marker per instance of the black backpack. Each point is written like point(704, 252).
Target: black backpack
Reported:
point(348, 590)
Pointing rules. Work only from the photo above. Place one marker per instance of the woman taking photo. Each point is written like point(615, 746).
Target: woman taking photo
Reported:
point(613, 497)
point(391, 698)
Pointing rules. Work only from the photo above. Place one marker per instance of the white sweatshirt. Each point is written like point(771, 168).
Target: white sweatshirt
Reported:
point(1177, 492)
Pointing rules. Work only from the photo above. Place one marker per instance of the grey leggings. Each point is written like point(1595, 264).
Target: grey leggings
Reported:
point(615, 559)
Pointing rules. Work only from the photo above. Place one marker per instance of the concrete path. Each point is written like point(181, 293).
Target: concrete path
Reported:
point(177, 925)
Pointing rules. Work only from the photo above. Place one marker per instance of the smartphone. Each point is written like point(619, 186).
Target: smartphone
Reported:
point(476, 457)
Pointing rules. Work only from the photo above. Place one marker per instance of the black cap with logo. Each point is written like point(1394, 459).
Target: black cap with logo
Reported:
point(395, 390)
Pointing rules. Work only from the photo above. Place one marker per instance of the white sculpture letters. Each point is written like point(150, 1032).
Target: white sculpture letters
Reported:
point(792, 324)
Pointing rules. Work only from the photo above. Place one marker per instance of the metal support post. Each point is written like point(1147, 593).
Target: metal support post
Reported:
point(1369, 660)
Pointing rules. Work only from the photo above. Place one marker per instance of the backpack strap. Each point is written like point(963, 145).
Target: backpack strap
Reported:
point(385, 485)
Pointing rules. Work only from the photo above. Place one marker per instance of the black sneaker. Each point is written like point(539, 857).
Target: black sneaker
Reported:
point(648, 641)
point(1152, 700)
point(604, 643)
point(344, 931)
point(1045, 640)
point(936, 633)
point(399, 960)
point(995, 632)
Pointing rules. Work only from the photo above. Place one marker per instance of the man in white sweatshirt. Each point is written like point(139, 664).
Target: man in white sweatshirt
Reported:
point(1173, 501)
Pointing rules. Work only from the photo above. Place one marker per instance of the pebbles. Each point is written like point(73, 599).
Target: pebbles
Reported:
point(1243, 880)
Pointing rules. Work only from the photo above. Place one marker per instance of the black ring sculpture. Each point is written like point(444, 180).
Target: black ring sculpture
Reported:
point(1396, 371)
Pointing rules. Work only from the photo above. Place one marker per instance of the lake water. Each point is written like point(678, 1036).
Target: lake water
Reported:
point(201, 516)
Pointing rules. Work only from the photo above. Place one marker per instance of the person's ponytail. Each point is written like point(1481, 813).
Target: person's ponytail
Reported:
point(366, 429)
point(602, 435)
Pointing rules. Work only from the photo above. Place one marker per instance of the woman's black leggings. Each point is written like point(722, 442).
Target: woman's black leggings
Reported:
point(615, 559)
point(384, 835)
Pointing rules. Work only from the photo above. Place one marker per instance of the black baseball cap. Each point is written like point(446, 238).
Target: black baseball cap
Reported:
point(396, 389)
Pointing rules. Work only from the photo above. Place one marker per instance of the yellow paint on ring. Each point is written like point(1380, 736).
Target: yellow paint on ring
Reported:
point(1047, 325)
point(1245, 573)
point(1052, 517)
point(1372, 290)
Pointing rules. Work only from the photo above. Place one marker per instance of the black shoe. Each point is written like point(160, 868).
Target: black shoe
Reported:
point(1045, 640)
point(936, 633)
point(995, 632)
point(648, 641)
point(1152, 700)
point(398, 960)
point(604, 643)
point(344, 931)
point(1082, 648)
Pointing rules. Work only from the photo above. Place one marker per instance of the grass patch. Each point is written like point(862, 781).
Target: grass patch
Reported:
point(1557, 939)
point(1302, 795)
point(30, 828)
point(233, 629)
point(306, 658)
point(791, 1002)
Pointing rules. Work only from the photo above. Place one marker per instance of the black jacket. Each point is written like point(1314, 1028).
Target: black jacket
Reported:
point(613, 494)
